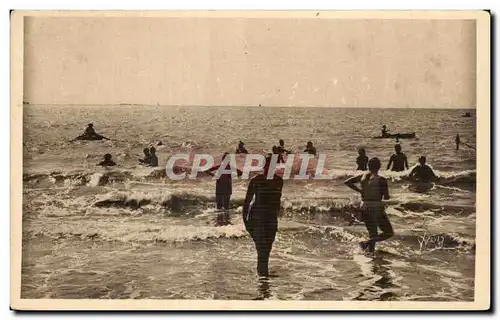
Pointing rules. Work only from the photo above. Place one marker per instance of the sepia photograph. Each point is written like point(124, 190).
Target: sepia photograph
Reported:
point(238, 160)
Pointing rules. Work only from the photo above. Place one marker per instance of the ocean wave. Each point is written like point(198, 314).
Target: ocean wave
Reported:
point(145, 233)
point(421, 242)
point(343, 209)
point(461, 179)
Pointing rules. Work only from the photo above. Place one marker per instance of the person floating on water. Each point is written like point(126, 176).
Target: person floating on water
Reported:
point(224, 185)
point(241, 148)
point(457, 141)
point(310, 148)
point(90, 134)
point(107, 161)
point(398, 160)
point(373, 189)
point(422, 172)
point(261, 219)
point(361, 160)
point(154, 159)
point(147, 157)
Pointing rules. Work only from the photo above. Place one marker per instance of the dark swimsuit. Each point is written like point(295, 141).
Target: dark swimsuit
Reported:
point(261, 220)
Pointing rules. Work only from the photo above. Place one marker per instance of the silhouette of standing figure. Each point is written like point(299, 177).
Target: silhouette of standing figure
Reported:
point(261, 219)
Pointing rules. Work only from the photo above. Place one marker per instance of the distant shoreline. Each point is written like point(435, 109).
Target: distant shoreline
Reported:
point(240, 106)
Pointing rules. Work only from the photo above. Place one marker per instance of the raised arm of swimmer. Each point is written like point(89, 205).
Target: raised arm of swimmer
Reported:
point(391, 160)
point(248, 199)
point(351, 183)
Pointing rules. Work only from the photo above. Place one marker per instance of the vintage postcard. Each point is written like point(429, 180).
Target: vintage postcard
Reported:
point(250, 160)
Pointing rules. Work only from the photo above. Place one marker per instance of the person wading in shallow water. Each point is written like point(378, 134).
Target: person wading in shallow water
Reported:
point(373, 189)
point(281, 147)
point(398, 161)
point(147, 157)
point(361, 160)
point(153, 162)
point(310, 148)
point(224, 185)
point(241, 148)
point(261, 219)
point(422, 172)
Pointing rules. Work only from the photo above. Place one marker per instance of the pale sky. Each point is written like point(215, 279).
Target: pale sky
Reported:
point(237, 61)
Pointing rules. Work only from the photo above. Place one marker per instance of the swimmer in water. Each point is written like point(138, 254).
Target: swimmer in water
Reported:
point(224, 185)
point(281, 147)
point(373, 189)
point(107, 161)
point(154, 159)
point(361, 160)
point(398, 161)
point(310, 148)
point(147, 157)
point(422, 172)
point(261, 219)
point(276, 150)
point(241, 148)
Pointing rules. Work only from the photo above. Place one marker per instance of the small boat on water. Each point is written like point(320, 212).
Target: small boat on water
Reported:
point(407, 135)
point(90, 137)
point(466, 115)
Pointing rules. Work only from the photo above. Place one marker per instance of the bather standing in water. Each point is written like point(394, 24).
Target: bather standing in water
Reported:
point(398, 161)
point(281, 147)
point(422, 172)
point(310, 148)
point(224, 186)
point(362, 160)
point(457, 141)
point(276, 150)
point(241, 148)
point(373, 189)
point(147, 157)
point(154, 159)
point(261, 219)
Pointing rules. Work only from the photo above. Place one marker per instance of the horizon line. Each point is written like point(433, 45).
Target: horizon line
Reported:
point(243, 106)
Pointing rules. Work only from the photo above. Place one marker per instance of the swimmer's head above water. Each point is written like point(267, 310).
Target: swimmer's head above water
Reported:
point(107, 157)
point(397, 148)
point(422, 160)
point(374, 165)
